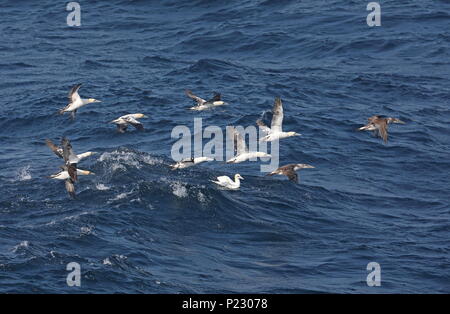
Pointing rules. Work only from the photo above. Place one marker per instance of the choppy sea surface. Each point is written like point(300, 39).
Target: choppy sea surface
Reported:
point(136, 226)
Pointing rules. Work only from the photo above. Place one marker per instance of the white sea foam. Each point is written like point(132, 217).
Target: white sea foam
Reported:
point(179, 189)
point(102, 187)
point(23, 174)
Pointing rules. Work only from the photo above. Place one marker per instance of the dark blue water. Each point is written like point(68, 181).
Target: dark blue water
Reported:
point(137, 226)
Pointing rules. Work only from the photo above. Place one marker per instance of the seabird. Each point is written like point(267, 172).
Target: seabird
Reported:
point(59, 151)
point(243, 153)
point(130, 119)
point(205, 104)
point(69, 181)
point(290, 171)
point(379, 126)
point(76, 101)
point(189, 162)
point(228, 183)
point(275, 131)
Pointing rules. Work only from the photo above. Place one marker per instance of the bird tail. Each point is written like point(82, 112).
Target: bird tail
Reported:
point(61, 111)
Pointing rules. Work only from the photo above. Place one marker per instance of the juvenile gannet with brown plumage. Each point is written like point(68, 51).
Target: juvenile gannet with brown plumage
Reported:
point(189, 162)
point(379, 126)
point(290, 171)
point(227, 182)
point(242, 151)
point(76, 101)
point(205, 104)
point(129, 119)
point(275, 131)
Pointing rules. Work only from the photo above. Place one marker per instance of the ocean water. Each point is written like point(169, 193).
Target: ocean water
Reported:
point(138, 227)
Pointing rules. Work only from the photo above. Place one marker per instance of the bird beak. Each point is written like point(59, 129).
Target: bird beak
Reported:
point(401, 122)
point(308, 166)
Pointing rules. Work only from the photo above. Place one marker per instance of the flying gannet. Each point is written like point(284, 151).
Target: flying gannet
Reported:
point(205, 104)
point(228, 183)
point(130, 119)
point(189, 162)
point(379, 126)
point(242, 151)
point(275, 131)
point(290, 171)
point(76, 101)
point(70, 183)
point(59, 151)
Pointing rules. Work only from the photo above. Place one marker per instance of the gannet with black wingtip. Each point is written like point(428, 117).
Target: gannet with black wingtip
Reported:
point(228, 183)
point(275, 131)
point(59, 151)
point(69, 182)
point(189, 162)
point(290, 171)
point(130, 119)
point(379, 126)
point(76, 101)
point(242, 151)
point(205, 104)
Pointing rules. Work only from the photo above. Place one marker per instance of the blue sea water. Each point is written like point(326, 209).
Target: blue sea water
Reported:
point(136, 226)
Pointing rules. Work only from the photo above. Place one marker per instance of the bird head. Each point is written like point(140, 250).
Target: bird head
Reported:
point(395, 120)
point(238, 176)
point(294, 134)
point(91, 100)
point(86, 172)
point(140, 116)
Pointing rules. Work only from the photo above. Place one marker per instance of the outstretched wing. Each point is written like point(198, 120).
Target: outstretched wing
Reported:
point(73, 93)
point(263, 126)
point(134, 123)
point(292, 176)
point(70, 187)
point(55, 149)
point(277, 119)
point(382, 130)
point(200, 101)
point(239, 142)
point(70, 158)
point(216, 97)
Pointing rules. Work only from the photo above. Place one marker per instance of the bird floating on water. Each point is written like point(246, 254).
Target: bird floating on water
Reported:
point(76, 101)
point(130, 119)
point(290, 171)
point(189, 162)
point(275, 131)
point(205, 104)
point(242, 151)
point(228, 183)
point(379, 126)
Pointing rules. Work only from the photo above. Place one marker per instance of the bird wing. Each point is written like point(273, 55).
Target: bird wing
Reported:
point(292, 176)
point(239, 142)
point(57, 150)
point(216, 97)
point(382, 130)
point(70, 187)
point(277, 119)
point(224, 179)
point(200, 101)
point(73, 93)
point(69, 156)
point(263, 126)
point(134, 123)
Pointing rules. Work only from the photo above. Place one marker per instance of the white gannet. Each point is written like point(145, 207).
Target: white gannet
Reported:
point(130, 119)
point(69, 182)
point(243, 153)
point(226, 182)
point(275, 131)
point(189, 162)
point(76, 101)
point(290, 171)
point(205, 104)
point(59, 151)
point(379, 126)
